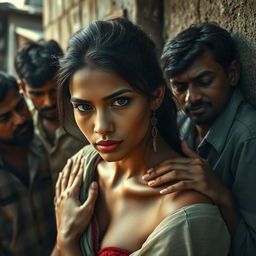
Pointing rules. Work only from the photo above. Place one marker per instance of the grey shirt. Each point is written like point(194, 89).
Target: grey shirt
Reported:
point(230, 147)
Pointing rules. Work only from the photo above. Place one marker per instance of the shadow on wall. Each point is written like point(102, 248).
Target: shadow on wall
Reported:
point(247, 55)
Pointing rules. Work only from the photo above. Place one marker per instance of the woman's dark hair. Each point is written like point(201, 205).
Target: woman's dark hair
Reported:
point(36, 63)
point(121, 47)
point(180, 52)
point(7, 82)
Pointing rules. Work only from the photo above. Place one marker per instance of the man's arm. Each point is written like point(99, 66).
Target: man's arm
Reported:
point(193, 172)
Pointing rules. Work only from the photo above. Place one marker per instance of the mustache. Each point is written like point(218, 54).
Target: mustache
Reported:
point(27, 124)
point(43, 109)
point(197, 104)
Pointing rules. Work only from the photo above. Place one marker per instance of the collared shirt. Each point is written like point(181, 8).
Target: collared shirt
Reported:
point(27, 220)
point(229, 147)
point(63, 148)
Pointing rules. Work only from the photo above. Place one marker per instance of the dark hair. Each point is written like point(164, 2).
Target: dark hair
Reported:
point(37, 63)
point(180, 51)
point(7, 82)
point(118, 46)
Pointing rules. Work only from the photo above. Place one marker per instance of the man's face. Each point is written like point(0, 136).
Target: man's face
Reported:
point(203, 90)
point(44, 99)
point(16, 125)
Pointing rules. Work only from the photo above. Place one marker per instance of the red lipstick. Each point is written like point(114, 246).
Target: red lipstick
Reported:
point(108, 146)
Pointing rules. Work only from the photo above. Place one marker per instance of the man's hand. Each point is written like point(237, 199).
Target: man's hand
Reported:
point(73, 217)
point(184, 173)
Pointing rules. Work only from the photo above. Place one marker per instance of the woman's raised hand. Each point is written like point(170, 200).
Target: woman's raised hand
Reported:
point(72, 217)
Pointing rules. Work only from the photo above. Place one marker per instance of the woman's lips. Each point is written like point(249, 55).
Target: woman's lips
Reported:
point(108, 145)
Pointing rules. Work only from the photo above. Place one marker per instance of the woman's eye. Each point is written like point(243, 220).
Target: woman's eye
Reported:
point(121, 102)
point(83, 107)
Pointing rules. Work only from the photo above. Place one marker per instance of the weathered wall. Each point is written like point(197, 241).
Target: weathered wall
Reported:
point(234, 15)
point(237, 16)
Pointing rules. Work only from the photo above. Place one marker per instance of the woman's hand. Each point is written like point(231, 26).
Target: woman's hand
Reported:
point(192, 172)
point(72, 217)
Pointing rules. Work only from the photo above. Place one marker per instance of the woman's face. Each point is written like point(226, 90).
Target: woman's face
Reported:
point(114, 118)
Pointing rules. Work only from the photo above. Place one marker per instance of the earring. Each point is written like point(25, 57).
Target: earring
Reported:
point(154, 130)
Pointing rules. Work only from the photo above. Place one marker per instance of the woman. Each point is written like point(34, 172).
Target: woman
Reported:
point(111, 77)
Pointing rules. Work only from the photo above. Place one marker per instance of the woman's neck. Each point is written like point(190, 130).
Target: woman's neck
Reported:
point(137, 163)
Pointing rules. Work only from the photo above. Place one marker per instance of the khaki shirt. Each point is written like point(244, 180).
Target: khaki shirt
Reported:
point(64, 146)
point(27, 219)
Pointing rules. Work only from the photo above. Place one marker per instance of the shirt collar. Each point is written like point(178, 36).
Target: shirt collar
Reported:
point(217, 135)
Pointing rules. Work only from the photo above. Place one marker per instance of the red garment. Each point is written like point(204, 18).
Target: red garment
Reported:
point(113, 251)
point(107, 251)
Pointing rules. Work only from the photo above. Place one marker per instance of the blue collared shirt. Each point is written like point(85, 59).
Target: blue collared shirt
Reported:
point(230, 147)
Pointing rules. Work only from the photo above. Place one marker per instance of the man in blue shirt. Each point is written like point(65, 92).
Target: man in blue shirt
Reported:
point(217, 123)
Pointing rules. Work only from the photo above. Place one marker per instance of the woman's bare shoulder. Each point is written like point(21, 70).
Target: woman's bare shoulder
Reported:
point(177, 200)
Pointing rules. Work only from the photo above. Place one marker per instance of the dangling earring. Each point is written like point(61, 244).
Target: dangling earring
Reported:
point(154, 130)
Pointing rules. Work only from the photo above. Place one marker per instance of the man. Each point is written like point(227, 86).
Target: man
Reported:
point(26, 193)
point(217, 124)
point(36, 65)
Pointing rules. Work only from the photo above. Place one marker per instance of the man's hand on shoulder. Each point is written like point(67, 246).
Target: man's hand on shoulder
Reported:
point(187, 173)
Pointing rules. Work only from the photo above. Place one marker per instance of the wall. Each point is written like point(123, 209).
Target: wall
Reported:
point(237, 16)
point(234, 15)
point(63, 17)
point(16, 21)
